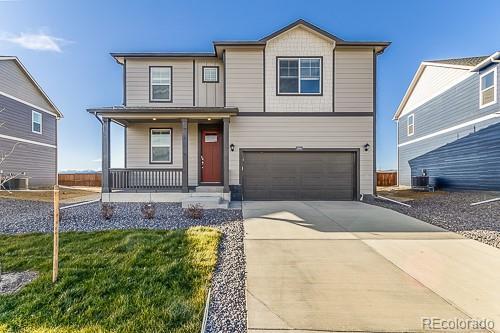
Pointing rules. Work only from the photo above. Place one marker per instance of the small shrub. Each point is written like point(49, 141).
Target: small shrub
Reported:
point(107, 210)
point(148, 210)
point(194, 211)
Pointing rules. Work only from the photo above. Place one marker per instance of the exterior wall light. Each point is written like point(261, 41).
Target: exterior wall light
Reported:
point(231, 147)
point(366, 146)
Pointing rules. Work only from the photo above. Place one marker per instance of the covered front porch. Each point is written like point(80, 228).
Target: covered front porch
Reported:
point(171, 154)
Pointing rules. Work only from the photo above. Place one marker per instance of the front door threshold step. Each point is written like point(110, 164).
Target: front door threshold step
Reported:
point(207, 202)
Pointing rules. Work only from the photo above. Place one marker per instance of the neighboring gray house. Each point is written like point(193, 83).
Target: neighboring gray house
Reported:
point(28, 122)
point(449, 124)
point(287, 117)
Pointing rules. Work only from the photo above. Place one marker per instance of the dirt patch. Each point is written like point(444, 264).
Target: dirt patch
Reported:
point(408, 195)
point(11, 283)
point(46, 196)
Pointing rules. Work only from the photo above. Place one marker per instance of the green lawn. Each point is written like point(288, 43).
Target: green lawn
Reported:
point(116, 281)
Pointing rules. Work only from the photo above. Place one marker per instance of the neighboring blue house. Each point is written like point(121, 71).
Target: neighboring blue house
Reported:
point(449, 124)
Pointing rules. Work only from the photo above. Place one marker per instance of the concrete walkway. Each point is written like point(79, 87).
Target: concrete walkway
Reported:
point(349, 266)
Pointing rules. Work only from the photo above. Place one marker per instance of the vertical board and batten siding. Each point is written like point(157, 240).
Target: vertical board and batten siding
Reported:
point(244, 79)
point(138, 148)
point(433, 80)
point(306, 132)
point(137, 82)
point(455, 106)
point(472, 162)
point(14, 82)
point(299, 42)
point(353, 80)
point(209, 94)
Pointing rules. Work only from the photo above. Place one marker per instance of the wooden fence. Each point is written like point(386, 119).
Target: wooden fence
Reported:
point(80, 179)
point(387, 178)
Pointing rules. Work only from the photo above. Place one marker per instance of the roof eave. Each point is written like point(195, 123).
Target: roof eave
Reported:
point(495, 57)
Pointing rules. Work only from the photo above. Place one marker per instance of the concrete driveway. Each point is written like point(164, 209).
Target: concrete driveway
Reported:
point(349, 266)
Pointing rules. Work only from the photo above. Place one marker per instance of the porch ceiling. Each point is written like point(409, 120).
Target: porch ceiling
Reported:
point(123, 115)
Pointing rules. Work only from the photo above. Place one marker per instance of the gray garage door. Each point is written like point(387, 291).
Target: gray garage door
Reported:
point(299, 175)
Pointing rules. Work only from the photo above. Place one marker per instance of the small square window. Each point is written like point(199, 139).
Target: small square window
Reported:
point(36, 122)
point(211, 74)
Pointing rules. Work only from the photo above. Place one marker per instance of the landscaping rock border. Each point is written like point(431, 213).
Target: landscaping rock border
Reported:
point(452, 211)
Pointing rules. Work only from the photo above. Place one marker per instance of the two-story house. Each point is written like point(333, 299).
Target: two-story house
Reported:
point(28, 127)
point(290, 116)
point(449, 124)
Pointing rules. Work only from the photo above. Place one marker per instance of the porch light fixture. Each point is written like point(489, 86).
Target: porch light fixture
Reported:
point(209, 119)
point(231, 146)
point(154, 118)
point(366, 146)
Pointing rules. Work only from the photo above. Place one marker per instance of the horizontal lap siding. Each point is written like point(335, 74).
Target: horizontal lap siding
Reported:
point(138, 148)
point(137, 82)
point(16, 117)
point(457, 105)
point(472, 162)
point(14, 82)
point(308, 132)
point(244, 80)
point(353, 80)
point(37, 161)
point(414, 150)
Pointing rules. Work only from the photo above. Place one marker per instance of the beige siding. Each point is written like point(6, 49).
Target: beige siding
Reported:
point(138, 148)
point(353, 80)
point(299, 42)
point(209, 94)
point(433, 80)
point(308, 132)
point(137, 85)
point(14, 82)
point(244, 79)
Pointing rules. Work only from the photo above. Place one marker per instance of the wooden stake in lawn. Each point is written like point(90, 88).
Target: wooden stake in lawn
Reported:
point(55, 260)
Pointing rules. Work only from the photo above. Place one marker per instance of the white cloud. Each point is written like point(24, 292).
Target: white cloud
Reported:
point(35, 41)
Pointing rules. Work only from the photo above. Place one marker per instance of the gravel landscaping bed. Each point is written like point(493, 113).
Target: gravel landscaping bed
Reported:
point(227, 304)
point(452, 211)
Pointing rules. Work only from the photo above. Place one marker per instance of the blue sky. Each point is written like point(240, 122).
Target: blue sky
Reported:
point(66, 45)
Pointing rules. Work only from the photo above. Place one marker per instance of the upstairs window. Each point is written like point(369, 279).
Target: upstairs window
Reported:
point(36, 122)
point(299, 76)
point(160, 143)
point(210, 74)
point(411, 125)
point(488, 88)
point(160, 80)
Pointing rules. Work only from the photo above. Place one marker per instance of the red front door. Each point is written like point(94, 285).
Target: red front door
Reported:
point(211, 156)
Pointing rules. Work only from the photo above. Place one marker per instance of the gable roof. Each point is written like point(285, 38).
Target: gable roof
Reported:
point(378, 46)
point(305, 24)
point(467, 63)
point(32, 79)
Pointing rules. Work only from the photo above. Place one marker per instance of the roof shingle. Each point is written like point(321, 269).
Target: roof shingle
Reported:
point(468, 61)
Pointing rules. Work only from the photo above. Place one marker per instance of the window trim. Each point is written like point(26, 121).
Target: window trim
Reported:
point(412, 116)
point(320, 58)
point(33, 112)
point(495, 88)
point(203, 74)
point(170, 100)
point(151, 146)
